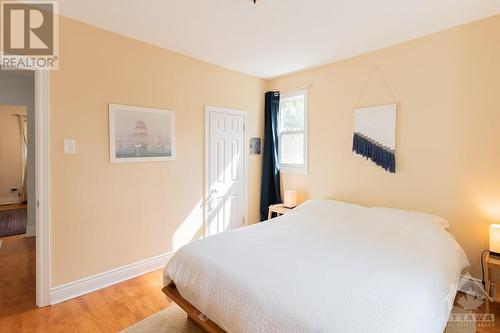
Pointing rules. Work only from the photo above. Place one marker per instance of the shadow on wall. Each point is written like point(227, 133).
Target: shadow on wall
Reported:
point(219, 216)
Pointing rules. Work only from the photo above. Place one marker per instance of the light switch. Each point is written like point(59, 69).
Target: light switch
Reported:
point(69, 146)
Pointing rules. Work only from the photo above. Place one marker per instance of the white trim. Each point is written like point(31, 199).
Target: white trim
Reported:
point(296, 168)
point(306, 87)
point(244, 114)
point(92, 283)
point(42, 185)
point(113, 108)
point(10, 200)
point(30, 231)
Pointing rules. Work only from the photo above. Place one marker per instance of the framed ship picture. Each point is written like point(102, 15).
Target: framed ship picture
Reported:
point(140, 134)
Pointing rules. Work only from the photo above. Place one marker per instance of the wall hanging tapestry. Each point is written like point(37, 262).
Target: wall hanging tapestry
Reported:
point(375, 128)
point(375, 135)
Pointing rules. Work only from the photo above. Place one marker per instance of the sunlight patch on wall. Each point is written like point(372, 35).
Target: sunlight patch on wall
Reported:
point(190, 229)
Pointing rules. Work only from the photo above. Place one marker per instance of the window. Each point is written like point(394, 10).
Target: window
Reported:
point(292, 129)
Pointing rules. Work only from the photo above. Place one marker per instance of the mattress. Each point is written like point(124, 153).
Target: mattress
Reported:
point(326, 266)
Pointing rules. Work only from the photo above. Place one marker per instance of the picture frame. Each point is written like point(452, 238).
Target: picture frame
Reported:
point(255, 146)
point(140, 134)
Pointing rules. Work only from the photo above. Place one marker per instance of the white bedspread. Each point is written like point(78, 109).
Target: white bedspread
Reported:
point(326, 266)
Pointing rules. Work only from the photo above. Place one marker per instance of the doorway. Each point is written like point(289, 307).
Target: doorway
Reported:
point(34, 197)
point(226, 170)
point(17, 192)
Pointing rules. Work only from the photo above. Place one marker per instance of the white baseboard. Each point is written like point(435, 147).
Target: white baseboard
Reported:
point(30, 231)
point(10, 200)
point(89, 284)
point(465, 283)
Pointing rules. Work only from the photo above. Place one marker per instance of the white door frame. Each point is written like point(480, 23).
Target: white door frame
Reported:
point(209, 109)
point(42, 187)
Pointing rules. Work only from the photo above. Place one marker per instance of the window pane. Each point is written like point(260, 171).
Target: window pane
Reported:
point(292, 148)
point(292, 114)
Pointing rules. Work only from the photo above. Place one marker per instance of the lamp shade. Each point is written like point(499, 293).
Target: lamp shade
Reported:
point(290, 199)
point(495, 238)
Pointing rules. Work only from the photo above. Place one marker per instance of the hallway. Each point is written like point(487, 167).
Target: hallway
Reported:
point(17, 275)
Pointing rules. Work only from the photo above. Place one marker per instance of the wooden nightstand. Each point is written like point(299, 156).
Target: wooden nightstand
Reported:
point(279, 209)
point(491, 262)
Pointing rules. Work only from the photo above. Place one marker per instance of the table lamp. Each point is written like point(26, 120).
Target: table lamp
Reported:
point(291, 200)
point(495, 239)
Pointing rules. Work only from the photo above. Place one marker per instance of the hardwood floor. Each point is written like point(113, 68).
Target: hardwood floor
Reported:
point(13, 206)
point(483, 327)
point(17, 275)
point(108, 310)
point(487, 328)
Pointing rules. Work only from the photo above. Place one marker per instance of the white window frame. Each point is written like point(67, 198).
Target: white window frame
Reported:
point(295, 168)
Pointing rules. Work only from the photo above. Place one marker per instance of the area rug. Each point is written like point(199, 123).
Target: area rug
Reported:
point(174, 320)
point(171, 320)
point(13, 222)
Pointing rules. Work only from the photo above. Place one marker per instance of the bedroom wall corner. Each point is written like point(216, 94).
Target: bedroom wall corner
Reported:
point(447, 135)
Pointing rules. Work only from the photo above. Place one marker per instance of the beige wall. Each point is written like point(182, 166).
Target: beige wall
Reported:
point(10, 152)
point(448, 129)
point(108, 215)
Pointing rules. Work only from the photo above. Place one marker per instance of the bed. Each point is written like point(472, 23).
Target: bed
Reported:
point(326, 266)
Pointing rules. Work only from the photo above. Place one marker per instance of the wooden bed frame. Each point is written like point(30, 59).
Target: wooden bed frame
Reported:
point(193, 313)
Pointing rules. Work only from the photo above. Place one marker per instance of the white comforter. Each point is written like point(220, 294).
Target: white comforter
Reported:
point(326, 266)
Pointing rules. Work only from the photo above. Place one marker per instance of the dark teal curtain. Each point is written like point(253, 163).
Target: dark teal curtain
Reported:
point(270, 192)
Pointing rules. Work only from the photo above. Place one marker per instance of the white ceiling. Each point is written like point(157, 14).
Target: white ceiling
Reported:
point(275, 37)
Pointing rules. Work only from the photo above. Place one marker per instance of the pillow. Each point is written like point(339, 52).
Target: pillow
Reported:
point(411, 214)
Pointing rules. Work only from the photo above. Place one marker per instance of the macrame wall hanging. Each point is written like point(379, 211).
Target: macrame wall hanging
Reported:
point(375, 130)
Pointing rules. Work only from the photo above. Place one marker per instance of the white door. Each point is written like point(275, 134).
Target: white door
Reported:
point(226, 170)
